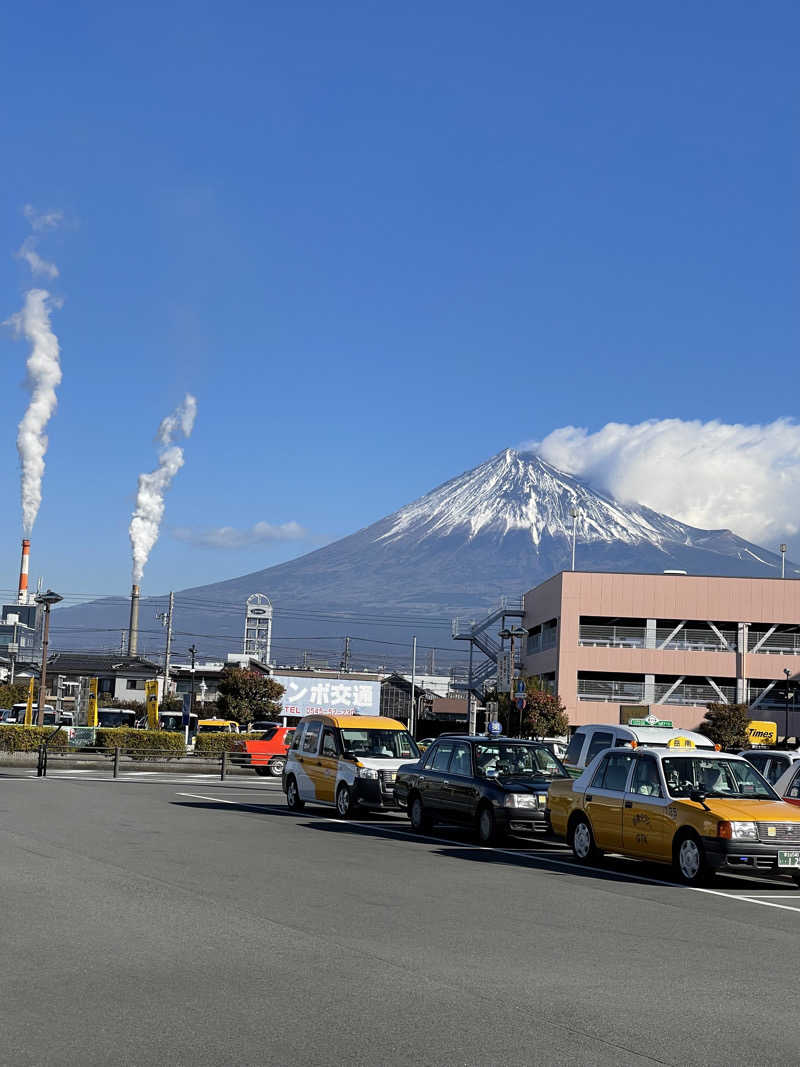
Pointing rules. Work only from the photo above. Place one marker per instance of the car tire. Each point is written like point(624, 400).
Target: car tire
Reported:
point(275, 767)
point(293, 801)
point(489, 833)
point(582, 842)
point(421, 822)
point(344, 802)
point(689, 860)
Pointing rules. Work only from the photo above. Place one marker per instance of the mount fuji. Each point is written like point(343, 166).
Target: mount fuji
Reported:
point(497, 529)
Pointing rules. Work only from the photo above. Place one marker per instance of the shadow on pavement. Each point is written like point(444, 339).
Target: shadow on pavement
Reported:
point(538, 853)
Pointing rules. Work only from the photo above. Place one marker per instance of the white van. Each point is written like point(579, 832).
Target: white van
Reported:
point(587, 741)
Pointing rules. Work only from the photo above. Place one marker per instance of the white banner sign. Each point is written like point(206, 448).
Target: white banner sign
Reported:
point(329, 696)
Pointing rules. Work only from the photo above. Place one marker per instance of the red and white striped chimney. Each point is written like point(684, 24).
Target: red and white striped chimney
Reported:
point(22, 594)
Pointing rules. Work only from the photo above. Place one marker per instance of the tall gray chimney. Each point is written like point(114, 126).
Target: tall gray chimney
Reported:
point(133, 629)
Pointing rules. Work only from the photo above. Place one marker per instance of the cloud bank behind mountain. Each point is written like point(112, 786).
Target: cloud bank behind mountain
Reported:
point(712, 475)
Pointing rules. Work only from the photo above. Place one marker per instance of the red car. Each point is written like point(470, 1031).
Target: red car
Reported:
point(267, 754)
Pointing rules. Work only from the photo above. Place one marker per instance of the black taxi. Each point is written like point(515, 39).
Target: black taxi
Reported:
point(496, 784)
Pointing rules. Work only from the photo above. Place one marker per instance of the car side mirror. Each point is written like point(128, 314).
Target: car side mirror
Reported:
point(697, 795)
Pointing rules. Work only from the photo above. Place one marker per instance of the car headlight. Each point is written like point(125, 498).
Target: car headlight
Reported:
point(744, 831)
point(521, 800)
point(366, 772)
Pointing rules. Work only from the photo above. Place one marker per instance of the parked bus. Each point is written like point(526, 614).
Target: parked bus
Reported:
point(110, 717)
point(173, 720)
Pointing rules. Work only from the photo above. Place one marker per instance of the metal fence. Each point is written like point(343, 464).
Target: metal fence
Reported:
point(119, 761)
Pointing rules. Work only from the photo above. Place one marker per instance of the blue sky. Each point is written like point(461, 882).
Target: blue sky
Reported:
point(379, 245)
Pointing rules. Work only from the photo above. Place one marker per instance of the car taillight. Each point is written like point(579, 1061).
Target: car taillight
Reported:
point(724, 829)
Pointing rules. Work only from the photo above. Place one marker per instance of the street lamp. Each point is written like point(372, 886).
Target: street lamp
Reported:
point(788, 673)
point(783, 550)
point(574, 513)
point(47, 599)
point(510, 635)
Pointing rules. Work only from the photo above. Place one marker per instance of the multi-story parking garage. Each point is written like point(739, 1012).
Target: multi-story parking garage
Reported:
point(672, 642)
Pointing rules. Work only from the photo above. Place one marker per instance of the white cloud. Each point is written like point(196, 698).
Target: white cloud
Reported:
point(42, 220)
point(229, 537)
point(712, 475)
point(37, 263)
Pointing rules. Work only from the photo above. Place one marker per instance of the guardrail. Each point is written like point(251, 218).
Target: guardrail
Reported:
point(121, 758)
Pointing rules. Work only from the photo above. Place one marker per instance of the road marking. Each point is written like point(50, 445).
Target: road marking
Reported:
point(216, 800)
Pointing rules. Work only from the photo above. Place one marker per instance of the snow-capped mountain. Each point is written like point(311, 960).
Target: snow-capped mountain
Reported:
point(519, 491)
point(498, 529)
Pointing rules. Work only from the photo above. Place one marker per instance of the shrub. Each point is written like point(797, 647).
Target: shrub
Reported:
point(726, 725)
point(28, 738)
point(216, 744)
point(141, 744)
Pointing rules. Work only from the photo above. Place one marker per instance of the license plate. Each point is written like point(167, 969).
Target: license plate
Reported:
point(789, 859)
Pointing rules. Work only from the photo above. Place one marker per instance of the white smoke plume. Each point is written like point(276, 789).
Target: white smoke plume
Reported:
point(42, 220)
point(37, 264)
point(146, 519)
point(713, 475)
point(44, 374)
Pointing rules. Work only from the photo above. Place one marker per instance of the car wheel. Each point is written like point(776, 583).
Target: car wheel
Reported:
point(689, 861)
point(344, 802)
point(582, 843)
point(293, 801)
point(421, 822)
point(489, 833)
point(275, 767)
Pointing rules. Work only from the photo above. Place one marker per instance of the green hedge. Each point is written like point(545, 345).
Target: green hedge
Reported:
point(216, 744)
point(141, 744)
point(28, 738)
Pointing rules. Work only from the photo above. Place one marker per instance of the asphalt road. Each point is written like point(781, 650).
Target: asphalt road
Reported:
point(158, 920)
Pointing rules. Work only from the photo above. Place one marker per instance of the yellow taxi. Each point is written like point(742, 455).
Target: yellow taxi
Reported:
point(346, 761)
point(701, 811)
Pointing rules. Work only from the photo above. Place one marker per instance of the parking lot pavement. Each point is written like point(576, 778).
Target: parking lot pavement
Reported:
point(202, 923)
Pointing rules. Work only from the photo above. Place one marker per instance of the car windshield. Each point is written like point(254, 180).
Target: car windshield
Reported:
point(380, 744)
point(498, 758)
point(715, 778)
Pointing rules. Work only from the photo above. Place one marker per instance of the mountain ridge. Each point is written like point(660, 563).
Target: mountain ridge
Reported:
point(497, 529)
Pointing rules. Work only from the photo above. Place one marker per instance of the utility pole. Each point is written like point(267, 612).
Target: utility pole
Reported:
point(13, 648)
point(411, 716)
point(193, 654)
point(345, 665)
point(471, 715)
point(783, 549)
point(574, 514)
point(165, 618)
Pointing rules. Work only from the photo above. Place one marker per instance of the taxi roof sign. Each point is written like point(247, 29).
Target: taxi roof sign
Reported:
point(681, 742)
point(651, 720)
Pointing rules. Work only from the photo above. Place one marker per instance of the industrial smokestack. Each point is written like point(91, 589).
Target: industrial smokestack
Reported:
point(133, 631)
point(22, 592)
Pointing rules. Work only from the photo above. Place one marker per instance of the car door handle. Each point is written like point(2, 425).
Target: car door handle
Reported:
point(628, 803)
point(445, 783)
point(588, 797)
point(421, 778)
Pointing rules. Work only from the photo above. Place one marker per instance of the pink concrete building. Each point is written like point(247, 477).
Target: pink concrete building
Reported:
point(672, 642)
